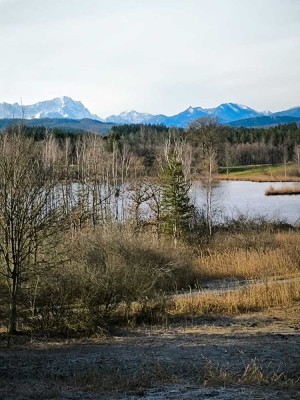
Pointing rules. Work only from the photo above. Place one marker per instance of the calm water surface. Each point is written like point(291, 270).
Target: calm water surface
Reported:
point(236, 197)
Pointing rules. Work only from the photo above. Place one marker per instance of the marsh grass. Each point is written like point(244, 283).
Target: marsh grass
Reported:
point(250, 255)
point(284, 190)
point(255, 297)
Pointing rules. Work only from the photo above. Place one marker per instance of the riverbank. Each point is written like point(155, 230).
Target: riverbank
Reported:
point(258, 178)
point(261, 173)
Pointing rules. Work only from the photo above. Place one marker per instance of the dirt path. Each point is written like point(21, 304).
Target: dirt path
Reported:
point(218, 286)
point(256, 356)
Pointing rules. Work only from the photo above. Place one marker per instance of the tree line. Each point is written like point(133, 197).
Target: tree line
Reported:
point(240, 146)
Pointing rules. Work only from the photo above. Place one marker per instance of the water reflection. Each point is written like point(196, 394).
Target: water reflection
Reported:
point(232, 198)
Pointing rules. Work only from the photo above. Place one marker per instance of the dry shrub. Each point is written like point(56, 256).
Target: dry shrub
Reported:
point(117, 267)
point(50, 302)
point(117, 275)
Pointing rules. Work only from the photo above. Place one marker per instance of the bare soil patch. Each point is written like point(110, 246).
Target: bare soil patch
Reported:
point(256, 356)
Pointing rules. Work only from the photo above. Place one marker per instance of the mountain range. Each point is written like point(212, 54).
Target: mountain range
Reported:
point(60, 107)
point(67, 108)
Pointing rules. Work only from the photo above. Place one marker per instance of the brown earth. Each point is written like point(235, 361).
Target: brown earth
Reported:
point(256, 356)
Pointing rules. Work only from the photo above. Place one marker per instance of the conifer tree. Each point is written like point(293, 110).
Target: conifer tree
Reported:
point(176, 208)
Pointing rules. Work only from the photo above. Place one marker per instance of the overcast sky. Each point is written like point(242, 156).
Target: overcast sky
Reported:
point(157, 56)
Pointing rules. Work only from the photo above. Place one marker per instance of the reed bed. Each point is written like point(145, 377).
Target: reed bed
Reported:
point(246, 264)
point(251, 256)
point(284, 190)
point(255, 297)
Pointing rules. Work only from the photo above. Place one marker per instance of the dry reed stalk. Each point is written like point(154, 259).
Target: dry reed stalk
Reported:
point(247, 263)
point(284, 190)
point(254, 297)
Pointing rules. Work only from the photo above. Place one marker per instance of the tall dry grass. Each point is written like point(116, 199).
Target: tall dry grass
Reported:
point(284, 190)
point(250, 256)
point(252, 298)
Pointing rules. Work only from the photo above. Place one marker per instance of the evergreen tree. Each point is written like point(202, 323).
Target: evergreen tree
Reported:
point(176, 208)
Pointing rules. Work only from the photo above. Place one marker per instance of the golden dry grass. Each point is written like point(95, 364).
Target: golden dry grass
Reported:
point(284, 190)
point(254, 297)
point(251, 256)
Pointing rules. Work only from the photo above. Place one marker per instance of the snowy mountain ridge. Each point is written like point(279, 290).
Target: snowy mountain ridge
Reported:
point(65, 107)
point(59, 107)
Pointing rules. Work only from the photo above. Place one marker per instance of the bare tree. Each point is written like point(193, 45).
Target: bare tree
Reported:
point(297, 157)
point(139, 193)
point(28, 214)
point(285, 157)
point(206, 132)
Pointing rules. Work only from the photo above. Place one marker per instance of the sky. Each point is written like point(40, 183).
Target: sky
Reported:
point(156, 56)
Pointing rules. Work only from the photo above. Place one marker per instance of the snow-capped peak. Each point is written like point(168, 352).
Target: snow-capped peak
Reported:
point(59, 107)
point(129, 117)
point(243, 107)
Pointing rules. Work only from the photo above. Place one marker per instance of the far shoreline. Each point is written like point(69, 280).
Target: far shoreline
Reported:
point(260, 179)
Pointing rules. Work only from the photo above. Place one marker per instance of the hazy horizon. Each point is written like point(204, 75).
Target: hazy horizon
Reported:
point(159, 58)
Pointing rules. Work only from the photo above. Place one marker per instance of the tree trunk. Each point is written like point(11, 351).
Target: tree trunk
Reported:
point(13, 313)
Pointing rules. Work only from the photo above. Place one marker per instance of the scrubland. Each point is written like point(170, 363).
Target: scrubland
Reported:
point(217, 319)
point(99, 301)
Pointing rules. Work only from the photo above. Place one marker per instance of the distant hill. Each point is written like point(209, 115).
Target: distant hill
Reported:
point(179, 120)
point(86, 125)
point(270, 120)
point(292, 112)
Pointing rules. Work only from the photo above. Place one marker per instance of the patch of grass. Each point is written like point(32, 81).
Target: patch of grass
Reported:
point(252, 374)
point(261, 173)
point(137, 379)
point(242, 169)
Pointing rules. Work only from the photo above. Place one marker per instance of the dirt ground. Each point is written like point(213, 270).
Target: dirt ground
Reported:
point(256, 356)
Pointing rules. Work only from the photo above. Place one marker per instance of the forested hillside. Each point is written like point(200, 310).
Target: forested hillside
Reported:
point(236, 146)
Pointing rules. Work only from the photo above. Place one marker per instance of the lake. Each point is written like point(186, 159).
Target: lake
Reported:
point(231, 198)
point(242, 197)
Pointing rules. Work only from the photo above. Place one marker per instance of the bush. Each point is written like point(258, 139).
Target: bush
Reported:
point(115, 268)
